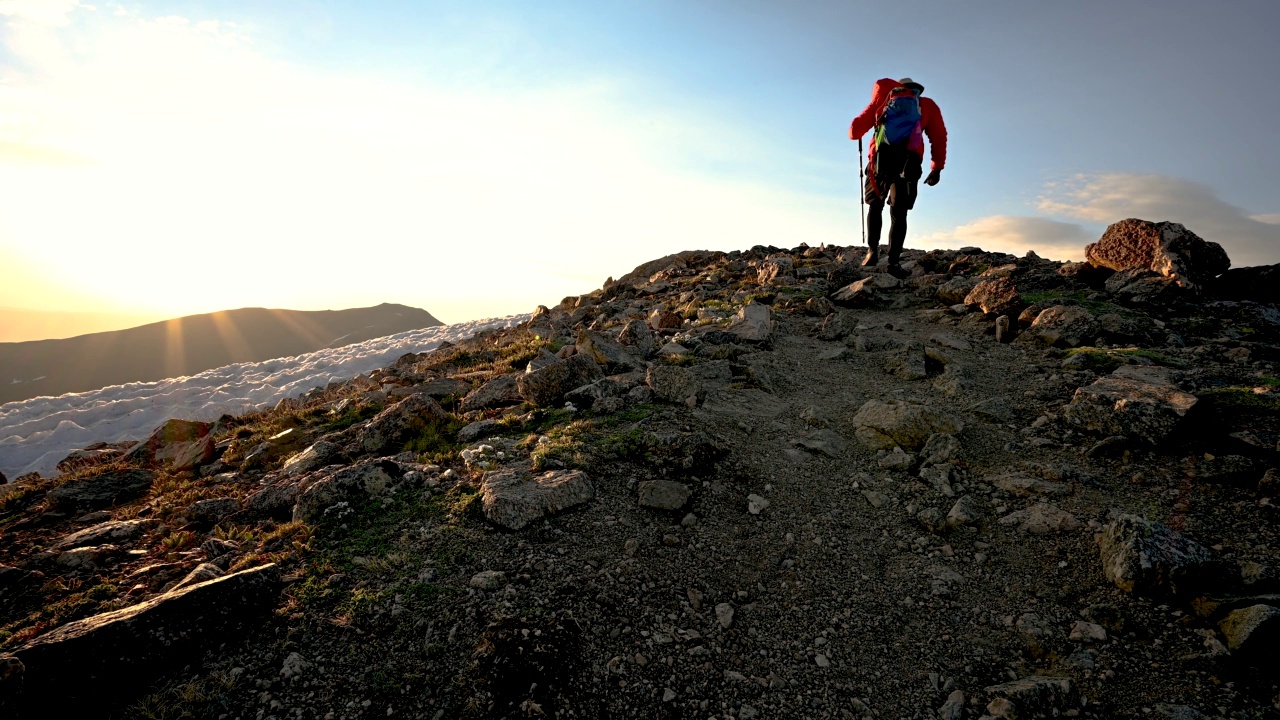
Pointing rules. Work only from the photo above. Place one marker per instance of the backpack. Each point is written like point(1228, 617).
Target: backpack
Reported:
point(898, 134)
point(899, 122)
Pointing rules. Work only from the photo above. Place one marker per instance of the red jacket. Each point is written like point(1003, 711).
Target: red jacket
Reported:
point(930, 122)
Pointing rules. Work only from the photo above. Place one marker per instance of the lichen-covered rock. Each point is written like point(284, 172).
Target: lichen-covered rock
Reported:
point(1041, 519)
point(955, 290)
point(610, 355)
point(176, 443)
point(776, 271)
point(347, 485)
point(886, 424)
point(513, 497)
point(1140, 286)
point(1167, 248)
point(390, 429)
point(994, 297)
point(546, 386)
point(317, 455)
point(102, 490)
point(1065, 326)
point(674, 384)
point(637, 336)
point(1150, 558)
point(1148, 412)
point(121, 652)
point(498, 392)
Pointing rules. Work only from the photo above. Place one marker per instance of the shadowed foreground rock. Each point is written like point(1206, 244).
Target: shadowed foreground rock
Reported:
point(117, 654)
point(1150, 558)
point(102, 490)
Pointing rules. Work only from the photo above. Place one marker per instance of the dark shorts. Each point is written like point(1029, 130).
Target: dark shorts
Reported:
point(899, 187)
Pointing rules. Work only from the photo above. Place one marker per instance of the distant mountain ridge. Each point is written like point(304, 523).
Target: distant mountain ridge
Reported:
point(191, 344)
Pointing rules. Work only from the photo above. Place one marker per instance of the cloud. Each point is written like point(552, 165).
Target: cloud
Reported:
point(209, 174)
point(1015, 234)
point(1108, 197)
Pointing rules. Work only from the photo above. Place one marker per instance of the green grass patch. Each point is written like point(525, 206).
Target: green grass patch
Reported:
point(1081, 298)
point(1239, 400)
point(438, 440)
point(353, 415)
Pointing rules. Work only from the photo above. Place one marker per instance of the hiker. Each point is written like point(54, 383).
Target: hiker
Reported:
point(901, 118)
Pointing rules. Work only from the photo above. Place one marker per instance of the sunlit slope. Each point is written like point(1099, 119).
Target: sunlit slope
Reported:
point(188, 345)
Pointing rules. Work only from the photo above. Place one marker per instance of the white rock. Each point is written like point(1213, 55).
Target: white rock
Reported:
point(488, 580)
point(724, 615)
point(755, 504)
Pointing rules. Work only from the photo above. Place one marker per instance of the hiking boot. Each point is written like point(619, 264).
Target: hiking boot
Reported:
point(898, 271)
point(872, 258)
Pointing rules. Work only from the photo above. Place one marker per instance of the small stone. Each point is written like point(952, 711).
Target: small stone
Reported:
point(294, 666)
point(963, 512)
point(689, 520)
point(1041, 519)
point(1002, 329)
point(755, 504)
point(821, 660)
point(668, 695)
point(1082, 631)
point(724, 615)
point(953, 708)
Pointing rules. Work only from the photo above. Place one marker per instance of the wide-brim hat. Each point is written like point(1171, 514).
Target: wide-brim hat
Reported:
point(908, 82)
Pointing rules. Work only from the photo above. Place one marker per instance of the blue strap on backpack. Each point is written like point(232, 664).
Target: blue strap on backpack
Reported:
point(900, 120)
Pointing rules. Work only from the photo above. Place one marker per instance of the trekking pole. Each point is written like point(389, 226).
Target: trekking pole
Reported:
point(862, 195)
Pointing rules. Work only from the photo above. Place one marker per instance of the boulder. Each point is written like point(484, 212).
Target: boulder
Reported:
point(909, 363)
point(776, 271)
point(1259, 284)
point(637, 336)
point(665, 320)
point(1253, 631)
point(882, 425)
point(674, 384)
point(95, 454)
point(1023, 485)
point(994, 297)
point(837, 326)
point(955, 290)
point(663, 494)
point(1064, 326)
point(320, 453)
point(442, 388)
point(609, 355)
point(212, 510)
point(753, 323)
point(116, 532)
point(1140, 286)
point(1150, 558)
point(861, 293)
point(513, 498)
point(498, 392)
point(117, 654)
point(102, 490)
point(347, 485)
point(390, 429)
point(546, 386)
point(176, 443)
point(1144, 411)
point(1165, 247)
point(478, 429)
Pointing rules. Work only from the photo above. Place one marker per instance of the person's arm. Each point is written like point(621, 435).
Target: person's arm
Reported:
point(867, 118)
point(936, 130)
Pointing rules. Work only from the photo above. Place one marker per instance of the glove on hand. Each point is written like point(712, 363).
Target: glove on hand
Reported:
point(934, 176)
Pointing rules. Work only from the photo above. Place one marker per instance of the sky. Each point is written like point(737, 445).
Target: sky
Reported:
point(478, 159)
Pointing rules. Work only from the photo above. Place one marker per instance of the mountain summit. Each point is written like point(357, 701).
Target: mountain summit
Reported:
point(759, 484)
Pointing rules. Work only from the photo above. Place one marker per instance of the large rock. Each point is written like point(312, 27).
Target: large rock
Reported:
point(674, 384)
point(776, 271)
point(442, 388)
point(546, 386)
point(1253, 631)
point(513, 498)
point(347, 485)
point(1259, 284)
point(610, 355)
point(1167, 248)
point(86, 665)
point(883, 425)
point(390, 429)
point(1041, 519)
point(320, 453)
point(637, 335)
point(956, 289)
point(753, 323)
point(498, 392)
point(1064, 326)
point(1140, 286)
point(1150, 558)
point(1144, 411)
point(115, 532)
point(994, 297)
point(95, 454)
point(102, 490)
point(861, 293)
point(179, 444)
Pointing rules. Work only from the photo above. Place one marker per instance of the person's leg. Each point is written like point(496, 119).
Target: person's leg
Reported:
point(901, 199)
point(875, 208)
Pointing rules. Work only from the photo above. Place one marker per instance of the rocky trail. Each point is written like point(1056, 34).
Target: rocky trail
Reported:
point(762, 484)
